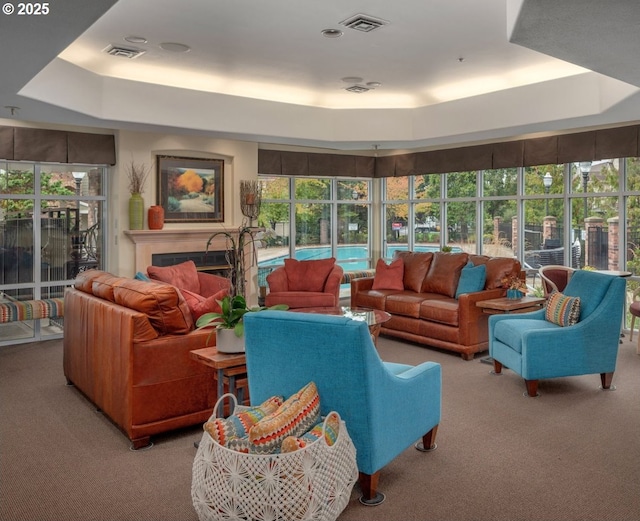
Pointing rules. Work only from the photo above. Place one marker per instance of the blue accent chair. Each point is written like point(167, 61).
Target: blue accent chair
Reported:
point(386, 406)
point(538, 349)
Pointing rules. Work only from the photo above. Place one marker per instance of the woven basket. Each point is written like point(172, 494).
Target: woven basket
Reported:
point(314, 482)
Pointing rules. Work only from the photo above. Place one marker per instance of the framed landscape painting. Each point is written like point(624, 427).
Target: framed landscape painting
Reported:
point(191, 190)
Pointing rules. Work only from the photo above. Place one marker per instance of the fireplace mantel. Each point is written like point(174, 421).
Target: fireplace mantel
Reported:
point(148, 242)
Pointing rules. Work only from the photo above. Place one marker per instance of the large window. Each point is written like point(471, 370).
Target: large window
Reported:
point(326, 217)
point(50, 229)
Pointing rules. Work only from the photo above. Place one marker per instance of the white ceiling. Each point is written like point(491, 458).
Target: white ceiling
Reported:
point(452, 71)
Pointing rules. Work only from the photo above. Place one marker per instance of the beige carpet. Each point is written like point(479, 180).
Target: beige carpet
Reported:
point(571, 454)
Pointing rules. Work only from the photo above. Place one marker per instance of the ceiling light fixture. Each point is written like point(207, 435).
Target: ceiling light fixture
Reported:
point(352, 79)
point(332, 33)
point(174, 47)
point(373, 84)
point(135, 39)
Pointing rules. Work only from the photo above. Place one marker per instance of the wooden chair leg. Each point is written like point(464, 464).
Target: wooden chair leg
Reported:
point(428, 442)
point(606, 379)
point(497, 366)
point(368, 486)
point(532, 388)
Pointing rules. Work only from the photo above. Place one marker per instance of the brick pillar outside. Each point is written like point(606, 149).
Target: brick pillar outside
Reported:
point(496, 229)
point(514, 234)
point(613, 239)
point(590, 222)
point(548, 227)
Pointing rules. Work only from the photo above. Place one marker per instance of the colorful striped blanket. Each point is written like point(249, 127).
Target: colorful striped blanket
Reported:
point(18, 310)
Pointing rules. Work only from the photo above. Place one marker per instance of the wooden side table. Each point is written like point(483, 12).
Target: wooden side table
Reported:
point(230, 369)
point(508, 305)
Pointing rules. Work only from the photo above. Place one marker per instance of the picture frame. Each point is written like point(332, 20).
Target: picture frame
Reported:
point(191, 189)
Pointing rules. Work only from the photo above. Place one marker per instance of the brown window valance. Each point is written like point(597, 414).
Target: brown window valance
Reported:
point(565, 148)
point(56, 146)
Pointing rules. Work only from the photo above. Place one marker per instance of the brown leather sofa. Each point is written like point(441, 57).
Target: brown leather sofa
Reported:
point(126, 348)
point(426, 310)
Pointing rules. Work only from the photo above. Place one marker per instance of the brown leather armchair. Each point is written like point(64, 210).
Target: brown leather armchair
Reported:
point(305, 284)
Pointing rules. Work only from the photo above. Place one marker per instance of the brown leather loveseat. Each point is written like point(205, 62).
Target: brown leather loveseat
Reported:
point(426, 310)
point(126, 348)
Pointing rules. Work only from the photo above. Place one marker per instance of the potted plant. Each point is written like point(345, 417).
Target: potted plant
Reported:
point(516, 287)
point(228, 322)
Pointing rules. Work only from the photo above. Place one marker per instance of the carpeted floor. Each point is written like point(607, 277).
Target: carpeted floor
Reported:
point(571, 454)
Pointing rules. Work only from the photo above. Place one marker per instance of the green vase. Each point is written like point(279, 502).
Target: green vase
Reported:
point(136, 212)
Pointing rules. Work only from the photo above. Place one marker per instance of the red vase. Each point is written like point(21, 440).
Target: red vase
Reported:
point(155, 217)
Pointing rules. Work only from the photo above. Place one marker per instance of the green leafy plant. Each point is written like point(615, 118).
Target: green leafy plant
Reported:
point(232, 311)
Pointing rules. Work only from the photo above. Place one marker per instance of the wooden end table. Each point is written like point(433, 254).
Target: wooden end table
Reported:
point(230, 368)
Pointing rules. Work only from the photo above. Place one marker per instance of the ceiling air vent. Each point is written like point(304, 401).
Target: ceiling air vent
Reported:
point(123, 52)
point(364, 23)
point(358, 89)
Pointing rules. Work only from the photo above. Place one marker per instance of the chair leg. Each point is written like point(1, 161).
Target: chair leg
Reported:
point(633, 321)
point(497, 366)
point(368, 485)
point(428, 442)
point(606, 379)
point(532, 388)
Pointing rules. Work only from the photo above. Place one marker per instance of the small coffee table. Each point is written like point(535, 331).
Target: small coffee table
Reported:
point(373, 317)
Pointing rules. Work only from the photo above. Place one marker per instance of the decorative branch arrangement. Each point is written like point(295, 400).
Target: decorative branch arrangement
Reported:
point(137, 175)
point(250, 199)
point(235, 256)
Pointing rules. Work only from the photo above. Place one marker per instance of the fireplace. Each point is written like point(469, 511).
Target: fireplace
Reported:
point(214, 262)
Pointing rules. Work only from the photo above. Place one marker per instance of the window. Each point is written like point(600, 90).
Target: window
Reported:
point(51, 220)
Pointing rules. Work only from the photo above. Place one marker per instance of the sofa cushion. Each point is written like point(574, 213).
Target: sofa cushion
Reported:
point(444, 311)
point(182, 276)
point(444, 273)
point(562, 310)
point(84, 280)
point(472, 279)
point(498, 268)
point(372, 298)
point(309, 275)
point(162, 303)
point(199, 305)
point(416, 266)
point(405, 303)
point(389, 276)
point(299, 413)
point(104, 285)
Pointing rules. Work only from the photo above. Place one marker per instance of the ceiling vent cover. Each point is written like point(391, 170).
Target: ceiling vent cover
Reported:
point(364, 23)
point(123, 52)
point(358, 89)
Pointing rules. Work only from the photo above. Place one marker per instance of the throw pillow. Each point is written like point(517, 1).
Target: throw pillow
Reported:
point(294, 417)
point(472, 279)
point(310, 275)
point(182, 276)
point(142, 276)
point(389, 276)
point(293, 443)
point(562, 310)
point(223, 430)
point(199, 305)
point(444, 273)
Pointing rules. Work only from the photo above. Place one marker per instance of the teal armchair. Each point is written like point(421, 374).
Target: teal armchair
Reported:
point(538, 349)
point(386, 406)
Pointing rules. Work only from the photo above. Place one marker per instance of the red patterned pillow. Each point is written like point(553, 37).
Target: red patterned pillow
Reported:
point(199, 305)
point(223, 430)
point(310, 275)
point(389, 276)
point(294, 417)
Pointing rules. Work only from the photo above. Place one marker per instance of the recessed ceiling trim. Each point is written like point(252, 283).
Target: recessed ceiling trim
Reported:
point(358, 89)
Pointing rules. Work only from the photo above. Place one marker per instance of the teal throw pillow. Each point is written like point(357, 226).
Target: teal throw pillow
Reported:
point(142, 276)
point(472, 278)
